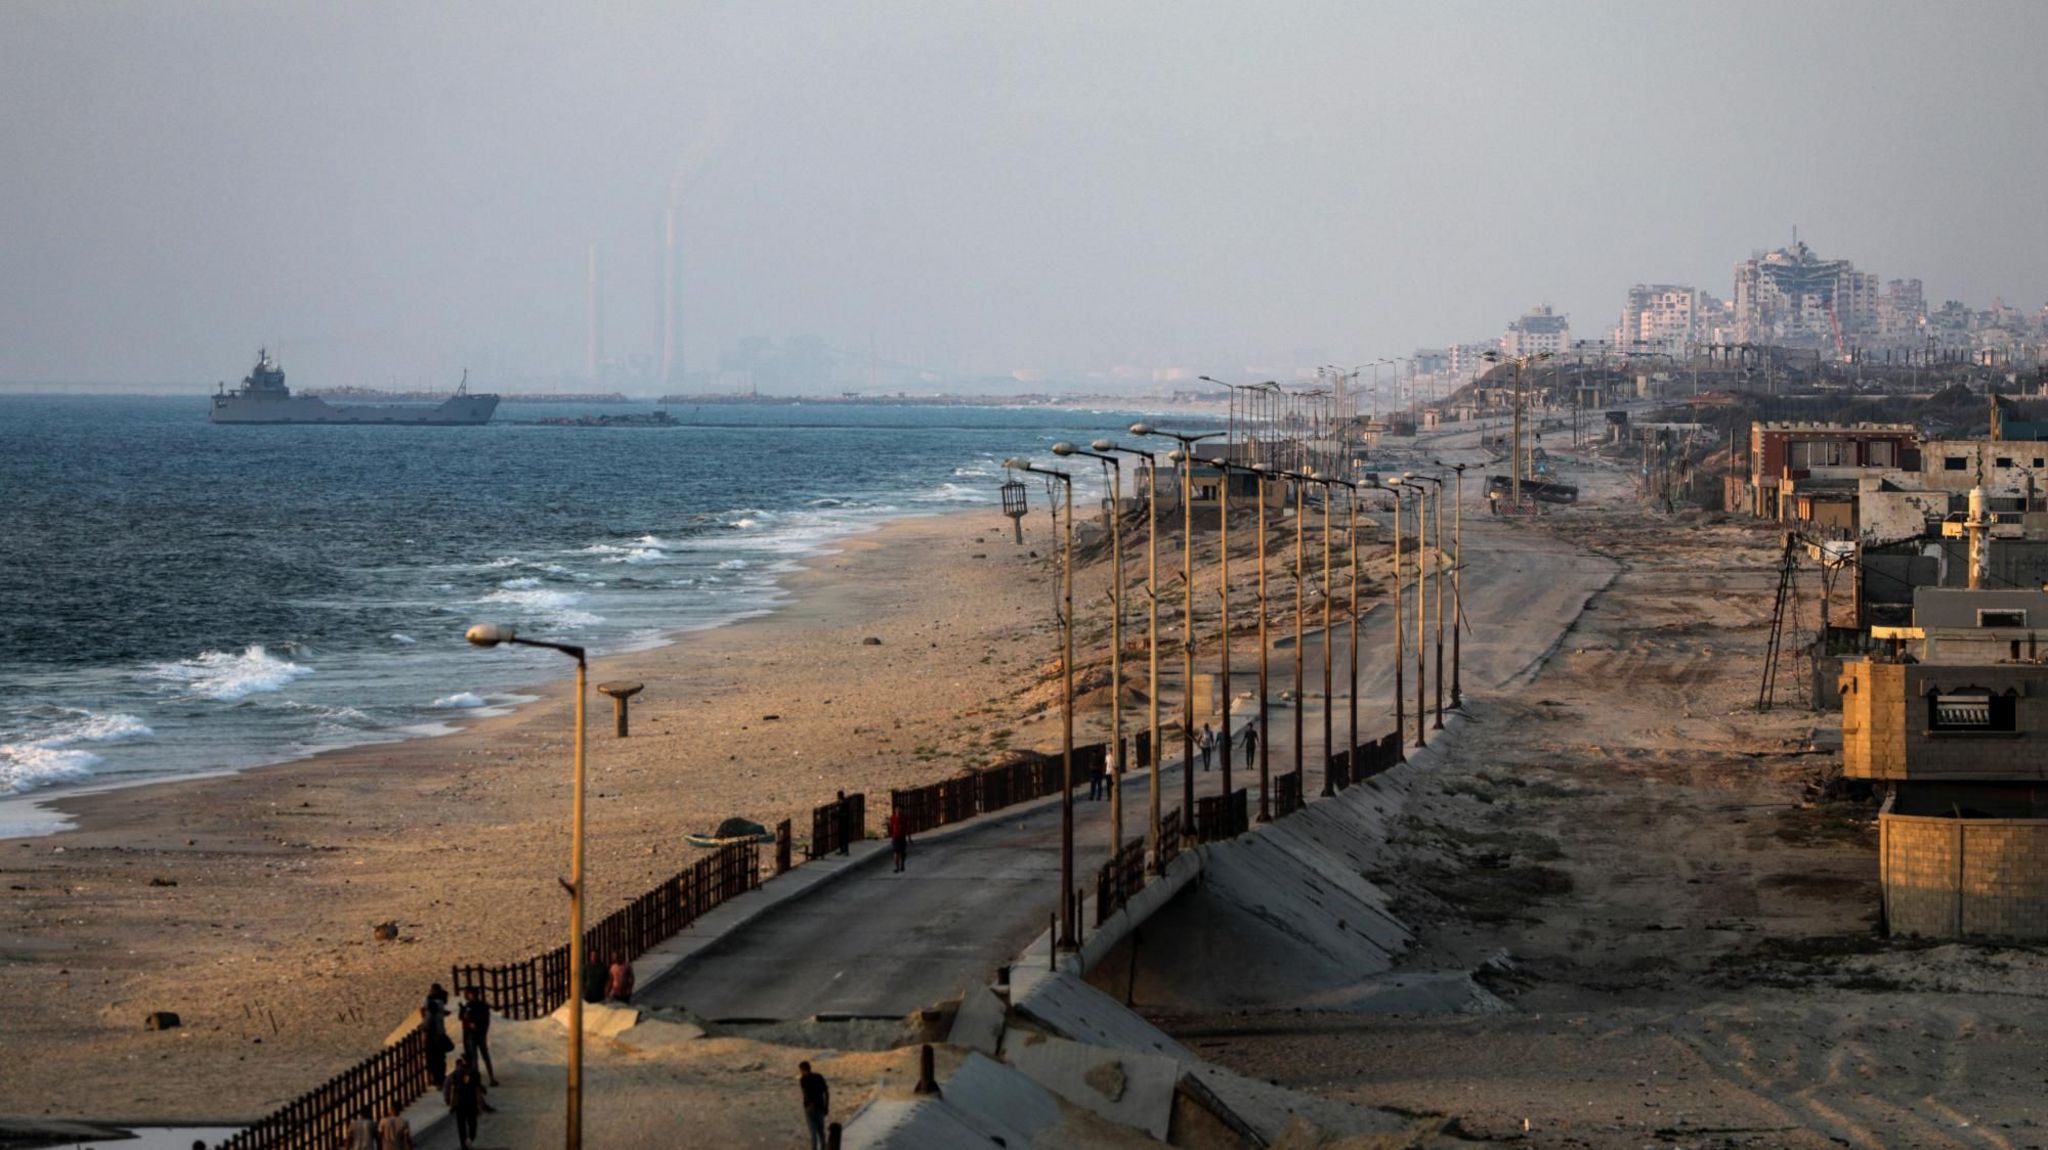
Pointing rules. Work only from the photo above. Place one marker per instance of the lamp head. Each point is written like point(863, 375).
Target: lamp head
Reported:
point(1063, 449)
point(1017, 463)
point(1141, 429)
point(1104, 445)
point(490, 634)
point(1176, 455)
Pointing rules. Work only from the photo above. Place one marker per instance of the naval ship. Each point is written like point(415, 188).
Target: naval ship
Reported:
point(263, 398)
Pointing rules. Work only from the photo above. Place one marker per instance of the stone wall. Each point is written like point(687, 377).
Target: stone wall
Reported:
point(1954, 878)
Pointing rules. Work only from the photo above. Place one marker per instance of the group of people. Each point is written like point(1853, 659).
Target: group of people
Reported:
point(1208, 741)
point(461, 1087)
point(608, 981)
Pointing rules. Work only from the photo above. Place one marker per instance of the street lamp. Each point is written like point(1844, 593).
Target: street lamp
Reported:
point(490, 635)
point(1515, 479)
point(1329, 495)
point(1457, 579)
point(1264, 473)
point(1351, 505)
point(1152, 624)
point(1185, 457)
point(1439, 724)
point(1301, 482)
point(1115, 467)
point(1411, 479)
point(1066, 936)
point(1395, 487)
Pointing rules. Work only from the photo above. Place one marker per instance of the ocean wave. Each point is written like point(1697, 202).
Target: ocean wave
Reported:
point(460, 701)
point(734, 565)
point(403, 640)
point(955, 493)
point(225, 678)
point(556, 607)
point(50, 752)
point(524, 583)
point(501, 561)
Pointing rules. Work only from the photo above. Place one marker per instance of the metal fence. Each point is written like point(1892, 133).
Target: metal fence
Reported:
point(977, 793)
point(837, 825)
point(535, 987)
point(1376, 756)
point(1338, 769)
point(1286, 794)
point(1219, 817)
point(1119, 879)
point(1170, 835)
point(318, 1119)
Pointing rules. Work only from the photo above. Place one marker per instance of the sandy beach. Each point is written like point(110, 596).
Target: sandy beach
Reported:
point(246, 902)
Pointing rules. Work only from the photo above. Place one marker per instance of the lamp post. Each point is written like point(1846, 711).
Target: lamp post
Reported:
point(490, 635)
point(1115, 467)
point(1329, 594)
point(1351, 506)
point(1457, 579)
point(1439, 499)
point(1395, 486)
point(1421, 610)
point(1185, 457)
point(1300, 579)
point(1066, 935)
point(1515, 462)
point(1152, 624)
point(1264, 472)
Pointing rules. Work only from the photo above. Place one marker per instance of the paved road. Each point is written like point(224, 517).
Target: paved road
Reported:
point(881, 944)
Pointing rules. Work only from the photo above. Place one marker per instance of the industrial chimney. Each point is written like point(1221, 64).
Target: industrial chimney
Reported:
point(593, 319)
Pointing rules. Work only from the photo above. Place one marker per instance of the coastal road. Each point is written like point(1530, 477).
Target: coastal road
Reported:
point(879, 944)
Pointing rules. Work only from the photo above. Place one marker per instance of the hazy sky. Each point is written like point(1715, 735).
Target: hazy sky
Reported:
point(394, 191)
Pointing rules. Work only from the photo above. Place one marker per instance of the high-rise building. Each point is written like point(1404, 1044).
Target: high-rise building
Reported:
point(1792, 298)
point(1539, 330)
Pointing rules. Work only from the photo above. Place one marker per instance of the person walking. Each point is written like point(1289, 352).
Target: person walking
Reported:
point(619, 988)
point(899, 837)
point(817, 1099)
point(362, 1133)
point(475, 1016)
point(465, 1097)
point(1096, 770)
point(597, 977)
point(1251, 742)
point(394, 1132)
point(1206, 743)
point(434, 1016)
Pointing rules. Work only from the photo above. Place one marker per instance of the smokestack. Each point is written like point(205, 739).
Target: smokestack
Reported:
point(593, 319)
point(671, 364)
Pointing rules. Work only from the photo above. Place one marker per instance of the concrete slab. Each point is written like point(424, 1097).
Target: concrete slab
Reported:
point(979, 1023)
point(604, 1019)
point(1067, 1006)
point(1267, 1110)
point(982, 1103)
point(1125, 1087)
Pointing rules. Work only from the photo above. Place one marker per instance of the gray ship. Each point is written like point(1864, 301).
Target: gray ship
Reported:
point(263, 398)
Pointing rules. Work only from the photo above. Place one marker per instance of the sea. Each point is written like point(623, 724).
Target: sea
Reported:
point(178, 598)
